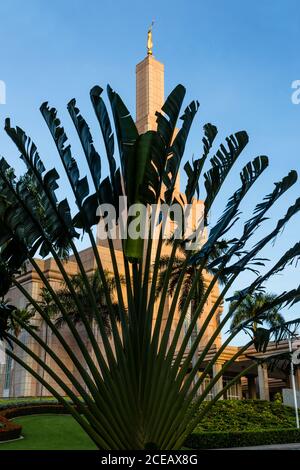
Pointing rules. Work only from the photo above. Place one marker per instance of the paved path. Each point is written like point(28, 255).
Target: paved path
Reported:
point(294, 446)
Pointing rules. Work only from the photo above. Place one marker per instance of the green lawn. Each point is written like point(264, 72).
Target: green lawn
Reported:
point(49, 432)
point(62, 432)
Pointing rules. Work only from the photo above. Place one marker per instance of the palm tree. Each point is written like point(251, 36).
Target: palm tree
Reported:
point(67, 299)
point(53, 312)
point(136, 392)
point(190, 272)
point(251, 306)
point(14, 322)
point(22, 315)
point(46, 304)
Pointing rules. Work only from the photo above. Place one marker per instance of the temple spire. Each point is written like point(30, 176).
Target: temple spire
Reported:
point(149, 40)
point(149, 88)
point(149, 91)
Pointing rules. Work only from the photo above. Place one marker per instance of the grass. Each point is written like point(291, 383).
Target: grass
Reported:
point(50, 432)
point(62, 432)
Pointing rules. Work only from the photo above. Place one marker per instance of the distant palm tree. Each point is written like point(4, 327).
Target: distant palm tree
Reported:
point(11, 316)
point(250, 308)
point(14, 318)
point(190, 273)
point(24, 315)
point(50, 307)
point(46, 303)
point(69, 304)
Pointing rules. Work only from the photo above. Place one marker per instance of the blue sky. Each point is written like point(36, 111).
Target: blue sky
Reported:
point(237, 58)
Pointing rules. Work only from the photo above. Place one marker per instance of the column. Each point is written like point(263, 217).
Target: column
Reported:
point(251, 386)
point(239, 389)
point(297, 378)
point(219, 385)
point(263, 382)
point(2, 378)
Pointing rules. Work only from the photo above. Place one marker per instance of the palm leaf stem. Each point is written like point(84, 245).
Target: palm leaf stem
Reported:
point(150, 347)
point(187, 398)
point(193, 423)
point(156, 395)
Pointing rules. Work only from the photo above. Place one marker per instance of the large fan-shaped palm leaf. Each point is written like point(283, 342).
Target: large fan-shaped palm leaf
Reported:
point(135, 390)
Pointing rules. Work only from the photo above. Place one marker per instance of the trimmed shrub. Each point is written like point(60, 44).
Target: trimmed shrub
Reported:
point(9, 430)
point(20, 402)
point(225, 439)
point(13, 410)
point(10, 401)
point(246, 415)
point(31, 409)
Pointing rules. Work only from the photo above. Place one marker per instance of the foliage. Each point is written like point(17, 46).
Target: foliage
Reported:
point(190, 272)
point(223, 439)
point(133, 391)
point(9, 430)
point(15, 402)
point(49, 306)
point(246, 415)
point(11, 318)
point(278, 397)
point(252, 304)
point(21, 315)
point(31, 409)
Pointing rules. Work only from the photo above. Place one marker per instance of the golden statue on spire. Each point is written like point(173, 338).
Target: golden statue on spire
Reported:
point(149, 40)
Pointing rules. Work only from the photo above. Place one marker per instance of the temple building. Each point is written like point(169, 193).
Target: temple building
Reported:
point(17, 382)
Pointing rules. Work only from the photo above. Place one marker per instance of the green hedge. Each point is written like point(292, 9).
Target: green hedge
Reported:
point(246, 415)
point(28, 401)
point(223, 439)
point(31, 409)
point(14, 401)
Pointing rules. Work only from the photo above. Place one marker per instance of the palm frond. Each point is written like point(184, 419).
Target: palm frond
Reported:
point(221, 163)
point(194, 172)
